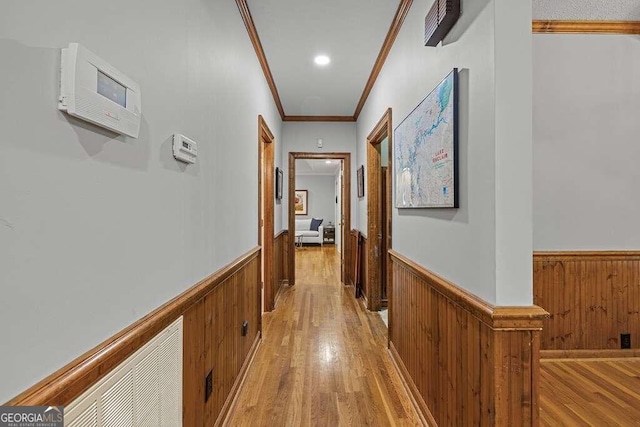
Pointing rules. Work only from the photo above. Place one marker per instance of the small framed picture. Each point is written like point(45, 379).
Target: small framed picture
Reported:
point(361, 181)
point(279, 183)
point(301, 202)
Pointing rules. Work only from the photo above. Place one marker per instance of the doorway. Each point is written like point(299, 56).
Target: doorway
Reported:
point(379, 167)
point(343, 224)
point(338, 209)
point(265, 213)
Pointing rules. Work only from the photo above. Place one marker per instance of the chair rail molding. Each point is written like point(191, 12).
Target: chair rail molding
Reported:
point(585, 27)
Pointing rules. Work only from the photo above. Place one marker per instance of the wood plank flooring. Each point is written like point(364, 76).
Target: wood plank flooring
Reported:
point(596, 392)
point(323, 360)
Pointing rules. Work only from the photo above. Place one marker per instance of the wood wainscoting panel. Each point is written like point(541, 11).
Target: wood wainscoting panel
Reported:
point(213, 311)
point(281, 257)
point(285, 256)
point(352, 258)
point(592, 298)
point(470, 362)
point(213, 341)
point(364, 272)
point(193, 363)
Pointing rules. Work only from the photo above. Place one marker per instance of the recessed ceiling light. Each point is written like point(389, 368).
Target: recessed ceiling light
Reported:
point(328, 162)
point(322, 60)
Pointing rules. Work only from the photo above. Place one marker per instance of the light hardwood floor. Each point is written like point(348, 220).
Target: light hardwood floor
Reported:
point(323, 360)
point(596, 392)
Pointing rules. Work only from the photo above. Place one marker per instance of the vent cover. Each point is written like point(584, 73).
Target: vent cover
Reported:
point(88, 418)
point(145, 390)
point(440, 20)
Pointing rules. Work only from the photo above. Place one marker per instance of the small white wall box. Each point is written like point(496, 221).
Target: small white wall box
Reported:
point(184, 149)
point(95, 91)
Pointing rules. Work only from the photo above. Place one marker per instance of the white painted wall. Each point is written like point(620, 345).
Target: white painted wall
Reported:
point(338, 211)
point(303, 137)
point(470, 245)
point(513, 153)
point(321, 197)
point(97, 230)
point(622, 10)
point(280, 219)
point(586, 110)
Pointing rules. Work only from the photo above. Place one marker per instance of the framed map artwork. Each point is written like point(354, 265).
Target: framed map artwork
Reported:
point(426, 150)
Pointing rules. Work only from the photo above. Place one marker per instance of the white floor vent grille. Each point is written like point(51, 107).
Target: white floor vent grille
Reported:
point(146, 390)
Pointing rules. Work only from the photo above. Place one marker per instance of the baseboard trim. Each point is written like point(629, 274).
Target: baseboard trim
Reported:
point(416, 399)
point(232, 399)
point(279, 294)
point(364, 303)
point(589, 354)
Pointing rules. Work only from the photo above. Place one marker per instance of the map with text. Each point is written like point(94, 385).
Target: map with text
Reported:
point(424, 147)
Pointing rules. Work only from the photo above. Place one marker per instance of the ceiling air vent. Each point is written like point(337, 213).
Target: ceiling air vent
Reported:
point(439, 21)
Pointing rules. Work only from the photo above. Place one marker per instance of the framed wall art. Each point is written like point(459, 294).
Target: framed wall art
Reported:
point(279, 183)
point(361, 181)
point(426, 150)
point(301, 202)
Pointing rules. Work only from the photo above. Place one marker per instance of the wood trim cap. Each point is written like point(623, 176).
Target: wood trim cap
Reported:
point(591, 255)
point(527, 317)
point(496, 317)
point(585, 27)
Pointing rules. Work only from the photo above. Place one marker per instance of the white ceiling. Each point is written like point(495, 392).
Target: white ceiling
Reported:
point(351, 33)
point(622, 10)
point(316, 167)
point(293, 32)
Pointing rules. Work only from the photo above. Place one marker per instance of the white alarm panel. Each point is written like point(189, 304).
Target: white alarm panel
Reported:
point(95, 91)
point(184, 149)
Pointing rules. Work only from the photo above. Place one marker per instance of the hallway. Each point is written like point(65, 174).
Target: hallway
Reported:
point(323, 359)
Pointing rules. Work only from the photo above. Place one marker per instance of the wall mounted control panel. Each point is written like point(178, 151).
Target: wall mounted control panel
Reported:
point(184, 149)
point(94, 90)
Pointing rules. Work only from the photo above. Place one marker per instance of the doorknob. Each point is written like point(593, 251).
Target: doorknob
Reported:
point(375, 250)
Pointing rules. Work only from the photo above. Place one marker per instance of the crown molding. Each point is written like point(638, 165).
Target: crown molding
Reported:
point(394, 29)
point(316, 173)
point(257, 46)
point(319, 119)
point(538, 27)
point(585, 27)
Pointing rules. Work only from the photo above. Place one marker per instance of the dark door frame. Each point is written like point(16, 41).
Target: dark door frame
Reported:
point(346, 207)
point(265, 217)
point(376, 230)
